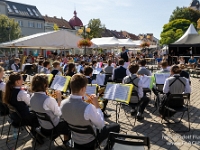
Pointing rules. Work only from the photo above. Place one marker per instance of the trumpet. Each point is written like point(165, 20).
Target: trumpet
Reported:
point(89, 100)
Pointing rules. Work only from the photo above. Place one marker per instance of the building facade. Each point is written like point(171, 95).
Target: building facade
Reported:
point(29, 18)
point(195, 5)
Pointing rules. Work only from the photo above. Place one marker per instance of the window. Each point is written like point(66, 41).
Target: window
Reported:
point(35, 12)
point(30, 12)
point(9, 9)
point(15, 9)
point(31, 24)
point(20, 22)
point(39, 25)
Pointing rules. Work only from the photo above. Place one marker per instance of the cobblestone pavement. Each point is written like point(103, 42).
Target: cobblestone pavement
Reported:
point(160, 136)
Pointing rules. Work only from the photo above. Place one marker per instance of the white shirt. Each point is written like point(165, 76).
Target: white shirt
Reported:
point(92, 113)
point(187, 86)
point(2, 86)
point(51, 104)
point(23, 96)
point(14, 68)
point(140, 85)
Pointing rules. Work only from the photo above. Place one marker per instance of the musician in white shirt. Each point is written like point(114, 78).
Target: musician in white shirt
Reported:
point(85, 114)
point(15, 67)
point(2, 84)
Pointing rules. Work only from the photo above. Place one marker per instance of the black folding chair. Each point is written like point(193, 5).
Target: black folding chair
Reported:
point(3, 112)
point(118, 80)
point(107, 78)
point(159, 90)
point(135, 106)
point(54, 134)
point(117, 142)
point(85, 130)
point(15, 125)
point(169, 107)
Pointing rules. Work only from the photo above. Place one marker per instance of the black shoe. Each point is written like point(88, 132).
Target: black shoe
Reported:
point(66, 143)
point(133, 112)
point(140, 117)
point(106, 115)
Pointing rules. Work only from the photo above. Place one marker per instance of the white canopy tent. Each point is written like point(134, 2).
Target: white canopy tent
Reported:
point(61, 39)
point(112, 42)
point(106, 42)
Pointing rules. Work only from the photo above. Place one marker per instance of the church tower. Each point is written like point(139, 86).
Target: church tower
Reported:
point(195, 5)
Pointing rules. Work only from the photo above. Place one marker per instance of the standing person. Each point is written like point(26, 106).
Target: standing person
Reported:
point(15, 66)
point(85, 114)
point(124, 54)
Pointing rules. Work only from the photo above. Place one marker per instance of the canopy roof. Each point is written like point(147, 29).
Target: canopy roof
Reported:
point(109, 42)
point(61, 39)
point(190, 38)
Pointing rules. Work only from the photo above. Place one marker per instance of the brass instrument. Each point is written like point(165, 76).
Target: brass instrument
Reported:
point(89, 100)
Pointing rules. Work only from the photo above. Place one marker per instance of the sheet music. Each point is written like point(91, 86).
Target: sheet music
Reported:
point(121, 92)
point(100, 79)
point(146, 80)
point(160, 78)
point(109, 91)
point(58, 83)
point(91, 89)
point(97, 71)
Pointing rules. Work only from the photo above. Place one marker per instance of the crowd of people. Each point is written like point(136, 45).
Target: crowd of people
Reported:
point(122, 69)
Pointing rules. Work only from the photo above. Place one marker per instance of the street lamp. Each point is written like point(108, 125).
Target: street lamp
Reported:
point(83, 30)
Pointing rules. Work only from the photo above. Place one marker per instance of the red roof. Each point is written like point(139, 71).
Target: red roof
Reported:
point(75, 21)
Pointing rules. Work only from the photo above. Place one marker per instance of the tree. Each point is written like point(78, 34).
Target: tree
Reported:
point(173, 30)
point(185, 13)
point(9, 29)
point(96, 28)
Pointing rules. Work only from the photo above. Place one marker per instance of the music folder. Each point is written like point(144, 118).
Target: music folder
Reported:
point(100, 79)
point(91, 89)
point(118, 92)
point(161, 77)
point(60, 83)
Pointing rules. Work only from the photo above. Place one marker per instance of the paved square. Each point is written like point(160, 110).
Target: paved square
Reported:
point(160, 136)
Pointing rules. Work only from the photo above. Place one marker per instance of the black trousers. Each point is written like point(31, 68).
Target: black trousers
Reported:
point(101, 136)
point(60, 129)
point(144, 101)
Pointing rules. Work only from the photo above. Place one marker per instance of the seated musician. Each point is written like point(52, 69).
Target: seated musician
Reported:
point(94, 64)
point(20, 100)
point(81, 66)
point(40, 66)
point(16, 67)
point(70, 70)
point(164, 66)
point(56, 68)
point(137, 82)
point(42, 103)
point(46, 67)
point(79, 113)
point(175, 85)
point(163, 70)
point(109, 69)
point(88, 74)
point(192, 62)
point(120, 72)
point(143, 70)
point(3, 109)
point(2, 84)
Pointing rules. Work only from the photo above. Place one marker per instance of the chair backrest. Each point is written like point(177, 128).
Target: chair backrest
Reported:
point(82, 129)
point(160, 87)
point(117, 138)
point(44, 117)
point(177, 100)
point(107, 78)
point(13, 110)
point(118, 80)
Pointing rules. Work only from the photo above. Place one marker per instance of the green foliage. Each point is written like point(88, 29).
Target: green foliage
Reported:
point(8, 27)
point(55, 27)
point(96, 28)
point(185, 13)
point(174, 30)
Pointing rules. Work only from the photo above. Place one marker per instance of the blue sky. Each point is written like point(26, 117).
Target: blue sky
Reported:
point(135, 16)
